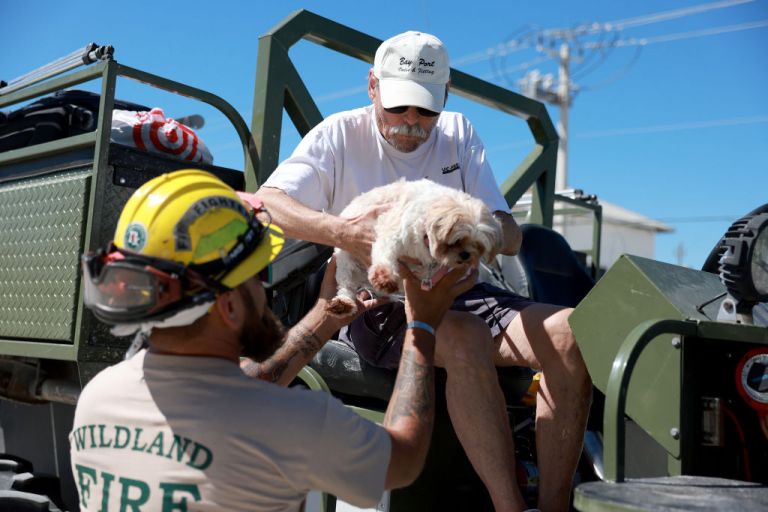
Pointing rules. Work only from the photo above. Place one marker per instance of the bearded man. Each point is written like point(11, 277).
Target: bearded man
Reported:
point(178, 425)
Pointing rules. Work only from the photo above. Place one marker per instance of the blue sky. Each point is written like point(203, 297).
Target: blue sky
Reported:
point(675, 130)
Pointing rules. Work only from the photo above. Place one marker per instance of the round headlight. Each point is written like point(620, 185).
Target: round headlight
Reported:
point(744, 261)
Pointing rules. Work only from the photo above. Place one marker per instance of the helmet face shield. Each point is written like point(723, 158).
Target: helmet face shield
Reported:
point(119, 290)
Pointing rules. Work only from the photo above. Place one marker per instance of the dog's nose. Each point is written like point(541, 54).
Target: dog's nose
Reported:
point(464, 255)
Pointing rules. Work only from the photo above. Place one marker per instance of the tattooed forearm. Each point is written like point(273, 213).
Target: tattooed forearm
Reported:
point(299, 346)
point(414, 395)
point(305, 340)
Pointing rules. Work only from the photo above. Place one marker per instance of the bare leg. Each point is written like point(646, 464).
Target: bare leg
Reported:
point(540, 336)
point(476, 405)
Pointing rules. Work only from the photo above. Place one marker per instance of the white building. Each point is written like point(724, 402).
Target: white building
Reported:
point(623, 231)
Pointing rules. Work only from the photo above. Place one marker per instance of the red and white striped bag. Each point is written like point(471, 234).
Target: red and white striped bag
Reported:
point(153, 132)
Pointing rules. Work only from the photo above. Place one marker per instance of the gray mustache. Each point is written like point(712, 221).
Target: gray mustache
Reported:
point(408, 130)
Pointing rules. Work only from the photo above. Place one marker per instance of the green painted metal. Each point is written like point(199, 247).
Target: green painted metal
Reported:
point(597, 238)
point(586, 504)
point(279, 86)
point(728, 331)
point(41, 222)
point(102, 70)
point(69, 80)
point(618, 384)
point(42, 316)
point(633, 291)
point(312, 379)
point(250, 155)
point(634, 354)
point(694, 334)
point(48, 148)
point(597, 223)
point(42, 350)
point(369, 414)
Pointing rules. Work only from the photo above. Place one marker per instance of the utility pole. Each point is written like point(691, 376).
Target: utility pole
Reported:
point(543, 87)
point(563, 101)
point(680, 254)
point(569, 45)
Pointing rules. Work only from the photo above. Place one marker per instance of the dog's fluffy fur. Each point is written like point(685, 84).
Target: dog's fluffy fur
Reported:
point(431, 223)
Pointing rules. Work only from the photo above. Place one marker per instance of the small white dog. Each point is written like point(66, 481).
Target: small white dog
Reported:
point(440, 227)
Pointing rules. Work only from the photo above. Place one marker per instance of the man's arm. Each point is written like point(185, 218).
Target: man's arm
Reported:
point(355, 234)
point(410, 414)
point(511, 234)
point(301, 344)
point(307, 337)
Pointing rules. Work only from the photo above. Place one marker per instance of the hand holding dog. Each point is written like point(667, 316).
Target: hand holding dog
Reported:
point(431, 305)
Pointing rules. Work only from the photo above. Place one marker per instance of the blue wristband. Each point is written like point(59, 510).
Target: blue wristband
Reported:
point(416, 324)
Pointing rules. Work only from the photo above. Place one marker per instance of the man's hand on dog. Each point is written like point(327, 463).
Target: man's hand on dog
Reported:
point(361, 234)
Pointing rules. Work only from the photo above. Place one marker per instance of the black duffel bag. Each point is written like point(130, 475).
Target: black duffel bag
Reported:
point(63, 114)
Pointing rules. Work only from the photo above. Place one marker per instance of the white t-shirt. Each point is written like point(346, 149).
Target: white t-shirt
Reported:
point(158, 430)
point(346, 155)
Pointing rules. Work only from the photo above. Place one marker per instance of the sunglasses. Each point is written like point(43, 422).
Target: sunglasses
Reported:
point(402, 109)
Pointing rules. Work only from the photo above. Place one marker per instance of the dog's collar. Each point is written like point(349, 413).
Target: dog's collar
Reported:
point(426, 281)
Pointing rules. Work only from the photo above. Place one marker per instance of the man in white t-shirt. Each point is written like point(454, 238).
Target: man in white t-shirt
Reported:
point(178, 425)
point(406, 134)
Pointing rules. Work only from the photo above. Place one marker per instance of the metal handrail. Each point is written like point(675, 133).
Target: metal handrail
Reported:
point(83, 56)
point(101, 70)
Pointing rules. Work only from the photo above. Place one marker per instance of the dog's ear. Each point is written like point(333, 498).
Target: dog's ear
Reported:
point(441, 217)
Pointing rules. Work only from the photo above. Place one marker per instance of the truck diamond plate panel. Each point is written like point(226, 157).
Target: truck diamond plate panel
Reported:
point(41, 235)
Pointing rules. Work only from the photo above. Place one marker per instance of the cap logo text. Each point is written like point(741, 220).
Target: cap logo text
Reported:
point(405, 66)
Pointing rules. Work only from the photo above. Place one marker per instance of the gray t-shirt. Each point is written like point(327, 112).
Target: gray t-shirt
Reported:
point(346, 155)
point(159, 430)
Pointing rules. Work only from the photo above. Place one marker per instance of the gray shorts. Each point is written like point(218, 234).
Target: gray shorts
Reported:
point(377, 336)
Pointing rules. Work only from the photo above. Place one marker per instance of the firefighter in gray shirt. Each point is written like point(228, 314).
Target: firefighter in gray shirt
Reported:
point(178, 425)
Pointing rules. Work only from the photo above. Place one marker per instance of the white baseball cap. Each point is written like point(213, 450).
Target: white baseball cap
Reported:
point(413, 70)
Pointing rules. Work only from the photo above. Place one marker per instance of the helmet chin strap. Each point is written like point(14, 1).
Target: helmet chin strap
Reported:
point(144, 329)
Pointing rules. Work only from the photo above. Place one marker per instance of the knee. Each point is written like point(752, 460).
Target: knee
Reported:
point(561, 334)
point(464, 340)
point(565, 344)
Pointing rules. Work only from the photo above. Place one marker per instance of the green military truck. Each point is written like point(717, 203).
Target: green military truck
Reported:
point(679, 363)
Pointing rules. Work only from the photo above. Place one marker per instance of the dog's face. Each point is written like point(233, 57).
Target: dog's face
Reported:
point(461, 232)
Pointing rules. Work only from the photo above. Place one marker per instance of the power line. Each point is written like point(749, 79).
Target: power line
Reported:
point(528, 38)
point(527, 42)
point(673, 14)
point(567, 48)
point(695, 125)
point(675, 127)
point(666, 38)
point(700, 218)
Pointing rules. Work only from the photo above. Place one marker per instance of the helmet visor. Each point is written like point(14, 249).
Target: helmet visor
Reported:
point(121, 291)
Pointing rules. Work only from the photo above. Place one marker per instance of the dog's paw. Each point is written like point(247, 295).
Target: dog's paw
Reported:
point(383, 280)
point(341, 307)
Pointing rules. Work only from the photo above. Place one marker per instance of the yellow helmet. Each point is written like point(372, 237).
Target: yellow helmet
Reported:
point(181, 238)
point(193, 218)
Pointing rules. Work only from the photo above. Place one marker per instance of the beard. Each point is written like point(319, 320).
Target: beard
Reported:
point(261, 336)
